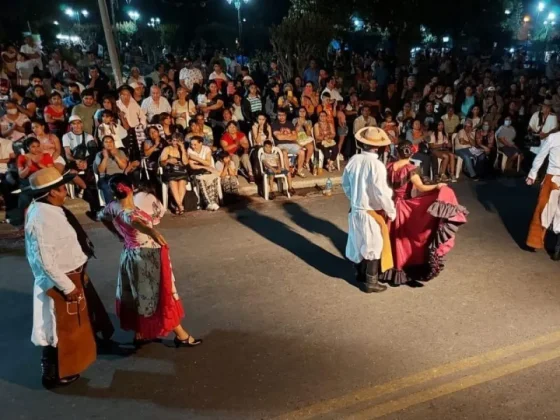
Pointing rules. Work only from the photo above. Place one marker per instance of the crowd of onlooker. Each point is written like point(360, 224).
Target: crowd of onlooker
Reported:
point(189, 128)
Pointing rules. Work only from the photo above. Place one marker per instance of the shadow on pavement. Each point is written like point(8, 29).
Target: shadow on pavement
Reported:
point(312, 224)
point(301, 247)
point(513, 201)
point(21, 360)
point(233, 370)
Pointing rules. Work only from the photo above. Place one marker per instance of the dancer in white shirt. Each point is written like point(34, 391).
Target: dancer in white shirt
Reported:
point(365, 184)
point(65, 306)
point(550, 149)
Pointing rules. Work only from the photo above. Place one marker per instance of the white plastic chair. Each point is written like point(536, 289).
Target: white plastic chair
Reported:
point(504, 157)
point(281, 177)
point(101, 199)
point(459, 165)
point(321, 154)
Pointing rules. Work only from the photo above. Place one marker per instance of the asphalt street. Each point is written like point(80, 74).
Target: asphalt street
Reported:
point(289, 335)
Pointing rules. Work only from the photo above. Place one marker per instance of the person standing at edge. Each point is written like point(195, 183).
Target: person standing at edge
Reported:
point(66, 310)
point(551, 148)
point(365, 184)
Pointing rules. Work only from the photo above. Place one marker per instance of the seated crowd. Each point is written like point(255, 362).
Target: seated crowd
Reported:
point(178, 126)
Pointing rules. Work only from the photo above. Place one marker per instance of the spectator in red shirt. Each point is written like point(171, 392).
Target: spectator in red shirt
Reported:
point(236, 144)
point(34, 158)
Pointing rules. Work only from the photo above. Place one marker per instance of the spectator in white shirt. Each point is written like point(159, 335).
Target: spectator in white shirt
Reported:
point(130, 113)
point(218, 76)
point(32, 51)
point(544, 122)
point(364, 120)
point(135, 77)
point(331, 89)
point(155, 104)
point(190, 76)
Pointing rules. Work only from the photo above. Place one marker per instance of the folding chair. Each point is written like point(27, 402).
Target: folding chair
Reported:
point(459, 166)
point(281, 177)
point(505, 158)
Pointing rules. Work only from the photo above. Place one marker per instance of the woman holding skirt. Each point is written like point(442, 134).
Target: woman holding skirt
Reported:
point(428, 217)
point(147, 300)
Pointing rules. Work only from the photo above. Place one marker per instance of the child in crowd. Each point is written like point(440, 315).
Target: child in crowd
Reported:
point(272, 166)
point(228, 173)
point(392, 129)
point(202, 101)
point(108, 127)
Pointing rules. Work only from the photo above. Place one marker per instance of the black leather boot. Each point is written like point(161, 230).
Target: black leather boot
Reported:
point(556, 253)
point(361, 271)
point(49, 368)
point(372, 285)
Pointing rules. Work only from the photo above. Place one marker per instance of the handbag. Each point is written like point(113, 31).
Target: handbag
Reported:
point(80, 152)
point(177, 170)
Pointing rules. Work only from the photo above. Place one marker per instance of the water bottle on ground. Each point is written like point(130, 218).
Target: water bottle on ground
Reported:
point(328, 188)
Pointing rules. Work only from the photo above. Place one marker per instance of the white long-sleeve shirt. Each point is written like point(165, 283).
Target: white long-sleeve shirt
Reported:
point(551, 148)
point(133, 113)
point(364, 182)
point(52, 250)
point(152, 109)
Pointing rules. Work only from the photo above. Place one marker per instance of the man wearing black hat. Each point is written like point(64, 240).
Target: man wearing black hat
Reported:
point(66, 310)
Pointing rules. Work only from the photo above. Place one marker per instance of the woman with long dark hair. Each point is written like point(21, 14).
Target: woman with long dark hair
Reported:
point(147, 300)
point(424, 230)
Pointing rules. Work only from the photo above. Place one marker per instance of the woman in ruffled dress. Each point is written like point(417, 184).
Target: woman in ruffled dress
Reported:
point(147, 300)
point(425, 227)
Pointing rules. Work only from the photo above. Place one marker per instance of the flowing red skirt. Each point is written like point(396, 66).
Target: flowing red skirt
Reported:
point(422, 233)
point(168, 314)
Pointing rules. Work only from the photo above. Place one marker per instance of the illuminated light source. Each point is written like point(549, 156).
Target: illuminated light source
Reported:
point(553, 23)
point(134, 15)
point(511, 50)
point(541, 6)
point(85, 12)
point(55, 22)
point(507, 12)
point(244, 20)
point(69, 12)
point(526, 19)
point(445, 39)
point(551, 16)
point(545, 22)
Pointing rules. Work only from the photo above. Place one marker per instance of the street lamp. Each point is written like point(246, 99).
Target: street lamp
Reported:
point(445, 39)
point(526, 19)
point(55, 22)
point(75, 13)
point(551, 16)
point(541, 6)
point(237, 4)
point(134, 15)
point(507, 12)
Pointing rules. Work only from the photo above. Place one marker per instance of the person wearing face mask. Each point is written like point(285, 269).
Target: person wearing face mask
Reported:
point(12, 124)
point(505, 142)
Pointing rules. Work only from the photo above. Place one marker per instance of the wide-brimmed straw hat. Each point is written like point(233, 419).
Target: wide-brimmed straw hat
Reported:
point(373, 136)
point(47, 179)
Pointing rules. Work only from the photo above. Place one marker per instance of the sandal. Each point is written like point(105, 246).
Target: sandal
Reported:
point(186, 342)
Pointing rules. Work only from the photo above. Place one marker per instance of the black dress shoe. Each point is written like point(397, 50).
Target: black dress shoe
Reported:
point(372, 288)
point(186, 343)
point(556, 256)
point(52, 383)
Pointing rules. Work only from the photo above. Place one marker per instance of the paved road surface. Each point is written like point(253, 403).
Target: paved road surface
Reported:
point(288, 334)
